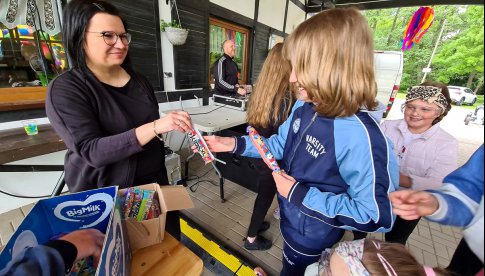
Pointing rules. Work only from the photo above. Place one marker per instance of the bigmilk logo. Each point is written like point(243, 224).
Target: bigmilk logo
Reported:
point(91, 211)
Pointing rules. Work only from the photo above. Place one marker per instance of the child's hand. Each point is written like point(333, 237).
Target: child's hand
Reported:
point(88, 242)
point(220, 144)
point(411, 205)
point(284, 183)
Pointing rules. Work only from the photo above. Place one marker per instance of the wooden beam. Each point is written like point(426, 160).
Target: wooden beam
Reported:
point(22, 98)
point(17, 145)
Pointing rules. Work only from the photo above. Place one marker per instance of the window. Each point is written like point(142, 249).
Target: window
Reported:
point(29, 58)
point(273, 40)
point(221, 31)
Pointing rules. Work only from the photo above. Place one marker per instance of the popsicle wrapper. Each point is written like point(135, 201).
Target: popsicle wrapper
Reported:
point(197, 140)
point(263, 149)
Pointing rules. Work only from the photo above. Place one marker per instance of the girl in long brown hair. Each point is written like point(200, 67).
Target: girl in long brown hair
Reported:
point(271, 90)
point(269, 106)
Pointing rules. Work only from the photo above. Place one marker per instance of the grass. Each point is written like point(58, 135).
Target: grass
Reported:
point(402, 96)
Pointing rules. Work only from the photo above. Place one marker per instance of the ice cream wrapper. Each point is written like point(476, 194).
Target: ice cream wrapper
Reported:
point(263, 150)
point(198, 141)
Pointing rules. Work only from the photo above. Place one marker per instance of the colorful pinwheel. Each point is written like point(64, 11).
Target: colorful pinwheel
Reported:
point(417, 27)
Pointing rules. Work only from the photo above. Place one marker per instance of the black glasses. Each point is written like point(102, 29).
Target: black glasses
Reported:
point(110, 38)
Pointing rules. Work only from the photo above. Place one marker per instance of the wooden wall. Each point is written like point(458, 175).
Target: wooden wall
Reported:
point(145, 49)
point(192, 59)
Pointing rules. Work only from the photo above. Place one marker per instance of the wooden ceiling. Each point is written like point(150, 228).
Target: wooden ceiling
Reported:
point(316, 5)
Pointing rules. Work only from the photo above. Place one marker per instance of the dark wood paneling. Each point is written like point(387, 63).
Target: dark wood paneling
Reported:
point(145, 50)
point(191, 59)
point(17, 115)
point(260, 52)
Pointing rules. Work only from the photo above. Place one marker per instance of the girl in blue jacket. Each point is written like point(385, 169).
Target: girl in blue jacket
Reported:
point(339, 165)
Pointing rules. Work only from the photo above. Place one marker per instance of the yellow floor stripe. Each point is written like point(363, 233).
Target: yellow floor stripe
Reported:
point(231, 262)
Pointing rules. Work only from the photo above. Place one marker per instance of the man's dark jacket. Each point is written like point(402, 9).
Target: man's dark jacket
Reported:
point(226, 75)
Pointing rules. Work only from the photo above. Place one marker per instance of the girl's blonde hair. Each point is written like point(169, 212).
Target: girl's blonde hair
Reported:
point(271, 91)
point(332, 54)
point(398, 256)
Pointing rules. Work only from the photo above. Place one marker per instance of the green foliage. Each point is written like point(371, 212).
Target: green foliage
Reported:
point(173, 24)
point(459, 56)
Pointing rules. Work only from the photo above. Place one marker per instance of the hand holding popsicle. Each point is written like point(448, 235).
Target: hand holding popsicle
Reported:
point(200, 146)
point(263, 150)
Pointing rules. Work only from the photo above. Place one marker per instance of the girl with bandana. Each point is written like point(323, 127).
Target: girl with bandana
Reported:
point(425, 152)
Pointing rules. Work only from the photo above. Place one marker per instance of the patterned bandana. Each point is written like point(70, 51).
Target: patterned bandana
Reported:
point(429, 94)
point(352, 252)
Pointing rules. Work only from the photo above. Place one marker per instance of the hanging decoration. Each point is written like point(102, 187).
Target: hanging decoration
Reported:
point(417, 27)
point(174, 31)
point(39, 14)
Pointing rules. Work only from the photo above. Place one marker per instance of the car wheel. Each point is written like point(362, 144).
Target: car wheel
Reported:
point(467, 119)
point(474, 101)
point(460, 102)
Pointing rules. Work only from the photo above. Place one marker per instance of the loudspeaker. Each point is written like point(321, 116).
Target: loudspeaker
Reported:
point(172, 163)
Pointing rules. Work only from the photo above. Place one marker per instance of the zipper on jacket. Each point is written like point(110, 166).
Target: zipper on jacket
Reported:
point(299, 142)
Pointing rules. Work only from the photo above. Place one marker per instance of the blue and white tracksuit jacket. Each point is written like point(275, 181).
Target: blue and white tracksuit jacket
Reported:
point(345, 170)
point(461, 201)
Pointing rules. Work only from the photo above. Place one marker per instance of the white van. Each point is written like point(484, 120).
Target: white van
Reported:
point(388, 68)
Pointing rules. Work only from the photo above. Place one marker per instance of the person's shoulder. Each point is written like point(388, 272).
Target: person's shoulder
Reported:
point(445, 136)
point(392, 123)
point(222, 59)
point(142, 79)
point(68, 80)
point(138, 76)
point(67, 76)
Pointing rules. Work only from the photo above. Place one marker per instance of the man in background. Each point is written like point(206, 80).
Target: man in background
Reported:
point(226, 72)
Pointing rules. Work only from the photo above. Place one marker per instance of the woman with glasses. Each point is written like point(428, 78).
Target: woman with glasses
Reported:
point(425, 152)
point(104, 111)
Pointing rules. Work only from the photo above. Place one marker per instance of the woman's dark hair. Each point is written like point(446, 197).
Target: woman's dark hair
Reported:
point(76, 16)
point(445, 92)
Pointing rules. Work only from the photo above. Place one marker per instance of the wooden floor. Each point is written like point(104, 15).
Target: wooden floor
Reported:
point(229, 221)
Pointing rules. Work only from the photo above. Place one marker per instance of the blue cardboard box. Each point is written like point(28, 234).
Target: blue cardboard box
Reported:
point(52, 217)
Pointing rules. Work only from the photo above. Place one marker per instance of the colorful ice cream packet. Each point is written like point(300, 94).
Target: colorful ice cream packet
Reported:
point(198, 141)
point(263, 150)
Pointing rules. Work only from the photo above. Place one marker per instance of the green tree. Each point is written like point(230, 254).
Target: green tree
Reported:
point(459, 57)
point(462, 54)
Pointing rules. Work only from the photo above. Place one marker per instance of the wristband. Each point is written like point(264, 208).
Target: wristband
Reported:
point(155, 131)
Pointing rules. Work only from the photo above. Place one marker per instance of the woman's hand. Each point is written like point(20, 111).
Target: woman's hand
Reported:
point(88, 242)
point(411, 205)
point(175, 120)
point(284, 183)
point(220, 144)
